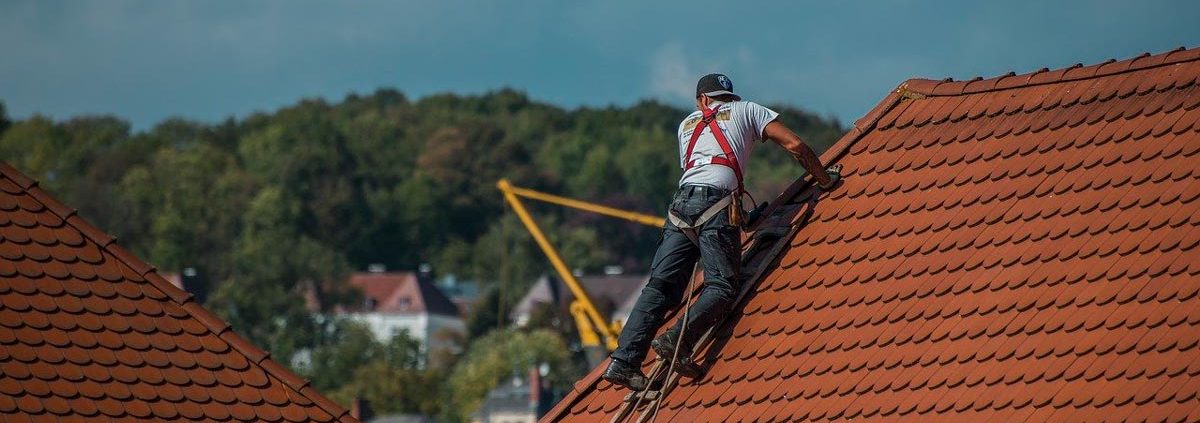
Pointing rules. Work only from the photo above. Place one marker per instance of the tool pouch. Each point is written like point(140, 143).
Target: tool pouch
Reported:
point(736, 214)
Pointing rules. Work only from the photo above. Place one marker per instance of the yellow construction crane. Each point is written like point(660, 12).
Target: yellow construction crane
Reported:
point(592, 326)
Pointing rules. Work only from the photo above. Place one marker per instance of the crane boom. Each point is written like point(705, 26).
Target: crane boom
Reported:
point(644, 219)
point(583, 308)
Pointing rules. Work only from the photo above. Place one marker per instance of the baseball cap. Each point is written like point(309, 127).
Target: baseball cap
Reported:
point(715, 84)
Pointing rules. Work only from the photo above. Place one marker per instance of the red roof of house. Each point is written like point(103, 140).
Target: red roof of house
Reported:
point(400, 292)
point(89, 332)
point(1021, 248)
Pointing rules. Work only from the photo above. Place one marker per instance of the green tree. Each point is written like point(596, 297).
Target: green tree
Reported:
point(344, 347)
point(498, 356)
point(393, 381)
point(485, 316)
point(4, 121)
point(37, 147)
point(274, 266)
point(303, 153)
point(197, 196)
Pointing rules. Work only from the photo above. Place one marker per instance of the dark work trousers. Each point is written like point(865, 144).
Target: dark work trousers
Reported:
point(720, 254)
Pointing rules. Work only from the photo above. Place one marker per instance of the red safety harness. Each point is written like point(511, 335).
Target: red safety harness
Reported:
point(729, 159)
point(734, 201)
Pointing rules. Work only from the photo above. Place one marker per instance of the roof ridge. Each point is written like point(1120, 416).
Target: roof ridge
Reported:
point(435, 301)
point(185, 300)
point(860, 128)
point(1043, 76)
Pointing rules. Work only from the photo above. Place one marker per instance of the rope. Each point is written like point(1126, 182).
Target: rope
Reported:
point(671, 365)
point(687, 307)
point(641, 396)
point(678, 342)
point(747, 286)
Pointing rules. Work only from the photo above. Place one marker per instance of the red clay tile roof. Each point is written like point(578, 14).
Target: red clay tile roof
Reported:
point(401, 292)
point(1022, 248)
point(89, 332)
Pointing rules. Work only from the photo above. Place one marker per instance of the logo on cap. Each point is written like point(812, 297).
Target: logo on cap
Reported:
point(721, 79)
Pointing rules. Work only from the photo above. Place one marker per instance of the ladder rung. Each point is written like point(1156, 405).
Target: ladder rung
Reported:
point(643, 395)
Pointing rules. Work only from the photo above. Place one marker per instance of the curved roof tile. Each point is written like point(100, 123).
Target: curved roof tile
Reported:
point(89, 331)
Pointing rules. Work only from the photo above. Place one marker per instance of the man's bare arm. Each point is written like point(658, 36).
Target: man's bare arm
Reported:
point(780, 134)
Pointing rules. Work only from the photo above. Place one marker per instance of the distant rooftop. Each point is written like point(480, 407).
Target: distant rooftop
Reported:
point(399, 293)
point(607, 291)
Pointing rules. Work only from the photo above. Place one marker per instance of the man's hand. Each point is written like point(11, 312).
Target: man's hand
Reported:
point(835, 175)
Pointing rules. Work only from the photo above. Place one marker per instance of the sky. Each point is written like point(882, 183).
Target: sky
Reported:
point(147, 60)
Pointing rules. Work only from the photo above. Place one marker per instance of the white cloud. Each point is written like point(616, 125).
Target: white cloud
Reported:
point(671, 76)
point(673, 72)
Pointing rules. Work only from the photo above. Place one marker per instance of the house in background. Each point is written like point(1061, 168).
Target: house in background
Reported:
point(463, 293)
point(609, 292)
point(624, 308)
point(521, 400)
point(550, 295)
point(395, 301)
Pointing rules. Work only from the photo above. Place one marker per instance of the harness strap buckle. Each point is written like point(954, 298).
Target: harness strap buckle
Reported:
point(691, 230)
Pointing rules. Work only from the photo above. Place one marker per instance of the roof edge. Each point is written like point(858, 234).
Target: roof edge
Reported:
point(435, 300)
point(582, 386)
point(838, 149)
point(217, 326)
point(1043, 76)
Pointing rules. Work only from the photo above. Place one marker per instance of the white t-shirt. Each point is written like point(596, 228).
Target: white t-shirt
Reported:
point(743, 123)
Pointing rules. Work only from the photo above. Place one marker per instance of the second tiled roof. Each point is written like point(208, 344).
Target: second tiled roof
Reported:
point(89, 332)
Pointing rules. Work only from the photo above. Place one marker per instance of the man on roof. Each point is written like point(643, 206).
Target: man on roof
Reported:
point(705, 219)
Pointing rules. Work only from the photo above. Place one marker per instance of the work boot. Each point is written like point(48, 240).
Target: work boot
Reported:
point(624, 374)
point(665, 345)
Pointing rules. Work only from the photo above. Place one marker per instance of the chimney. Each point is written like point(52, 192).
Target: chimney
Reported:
point(425, 272)
point(535, 389)
point(541, 398)
point(361, 409)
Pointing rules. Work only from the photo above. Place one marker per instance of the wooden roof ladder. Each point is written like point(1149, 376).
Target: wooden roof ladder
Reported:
point(764, 246)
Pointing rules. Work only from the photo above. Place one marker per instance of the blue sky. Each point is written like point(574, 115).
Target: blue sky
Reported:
point(146, 60)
